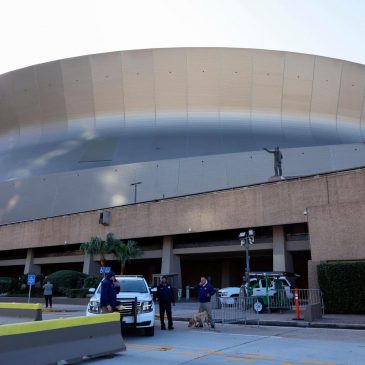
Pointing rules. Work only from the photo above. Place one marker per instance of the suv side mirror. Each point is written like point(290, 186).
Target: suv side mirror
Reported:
point(92, 290)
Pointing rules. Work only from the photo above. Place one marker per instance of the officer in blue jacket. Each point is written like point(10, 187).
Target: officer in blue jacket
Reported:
point(165, 296)
point(205, 292)
point(110, 287)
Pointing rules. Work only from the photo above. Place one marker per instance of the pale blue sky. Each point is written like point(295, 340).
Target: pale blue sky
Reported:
point(43, 30)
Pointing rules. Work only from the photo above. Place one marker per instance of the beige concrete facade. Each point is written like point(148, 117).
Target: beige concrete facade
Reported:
point(264, 205)
point(335, 204)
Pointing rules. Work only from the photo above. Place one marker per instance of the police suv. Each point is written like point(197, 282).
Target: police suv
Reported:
point(134, 303)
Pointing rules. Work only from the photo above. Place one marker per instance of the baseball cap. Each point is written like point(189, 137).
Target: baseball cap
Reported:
point(110, 274)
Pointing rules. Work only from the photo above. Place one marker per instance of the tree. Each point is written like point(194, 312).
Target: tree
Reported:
point(97, 246)
point(124, 251)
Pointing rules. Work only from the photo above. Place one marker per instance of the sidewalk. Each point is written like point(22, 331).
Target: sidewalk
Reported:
point(184, 311)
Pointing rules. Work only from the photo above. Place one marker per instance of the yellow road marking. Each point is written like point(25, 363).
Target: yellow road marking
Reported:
point(319, 362)
point(163, 348)
point(288, 363)
point(211, 352)
point(190, 354)
point(260, 356)
point(146, 349)
point(234, 358)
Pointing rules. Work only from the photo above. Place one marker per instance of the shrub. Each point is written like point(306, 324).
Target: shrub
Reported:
point(7, 284)
point(92, 281)
point(66, 279)
point(343, 287)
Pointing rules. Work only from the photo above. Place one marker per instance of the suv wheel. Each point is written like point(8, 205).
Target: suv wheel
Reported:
point(259, 306)
point(150, 331)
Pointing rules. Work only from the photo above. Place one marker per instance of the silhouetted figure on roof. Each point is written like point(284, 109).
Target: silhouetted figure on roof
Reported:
point(278, 156)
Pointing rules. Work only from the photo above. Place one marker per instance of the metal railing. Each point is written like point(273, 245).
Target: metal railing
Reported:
point(243, 308)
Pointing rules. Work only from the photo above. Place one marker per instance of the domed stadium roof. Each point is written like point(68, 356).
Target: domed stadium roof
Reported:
point(78, 134)
point(157, 104)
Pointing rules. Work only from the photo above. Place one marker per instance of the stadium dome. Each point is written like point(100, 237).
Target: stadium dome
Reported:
point(76, 134)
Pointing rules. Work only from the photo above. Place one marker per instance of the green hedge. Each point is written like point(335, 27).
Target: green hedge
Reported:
point(7, 284)
point(66, 279)
point(343, 287)
point(71, 283)
point(92, 281)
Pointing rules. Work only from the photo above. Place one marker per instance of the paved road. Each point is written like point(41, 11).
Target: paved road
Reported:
point(239, 344)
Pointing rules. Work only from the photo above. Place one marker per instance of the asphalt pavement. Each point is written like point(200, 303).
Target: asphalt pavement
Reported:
point(183, 311)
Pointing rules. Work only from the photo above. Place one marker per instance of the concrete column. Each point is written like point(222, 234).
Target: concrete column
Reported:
point(30, 267)
point(170, 262)
point(225, 274)
point(282, 259)
point(312, 274)
point(90, 266)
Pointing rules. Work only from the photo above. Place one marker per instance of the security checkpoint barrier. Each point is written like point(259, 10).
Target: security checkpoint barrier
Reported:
point(21, 310)
point(312, 312)
point(63, 340)
point(243, 308)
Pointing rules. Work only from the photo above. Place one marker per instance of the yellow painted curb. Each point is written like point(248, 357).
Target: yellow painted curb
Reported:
point(54, 324)
point(20, 306)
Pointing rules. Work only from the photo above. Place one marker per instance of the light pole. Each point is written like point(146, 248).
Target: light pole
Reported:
point(247, 238)
point(135, 190)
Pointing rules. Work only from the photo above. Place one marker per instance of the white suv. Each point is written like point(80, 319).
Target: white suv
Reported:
point(134, 303)
point(229, 292)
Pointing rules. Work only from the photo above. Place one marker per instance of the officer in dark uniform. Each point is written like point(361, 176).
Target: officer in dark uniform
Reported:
point(110, 287)
point(165, 296)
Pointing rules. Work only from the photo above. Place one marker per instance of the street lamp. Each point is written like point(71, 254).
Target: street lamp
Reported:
point(135, 190)
point(247, 238)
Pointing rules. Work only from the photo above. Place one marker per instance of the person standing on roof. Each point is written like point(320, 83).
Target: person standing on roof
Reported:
point(165, 296)
point(110, 287)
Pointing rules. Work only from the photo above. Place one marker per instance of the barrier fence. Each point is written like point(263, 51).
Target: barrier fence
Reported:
point(250, 308)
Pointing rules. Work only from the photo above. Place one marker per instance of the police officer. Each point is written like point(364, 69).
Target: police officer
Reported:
point(165, 296)
point(205, 292)
point(110, 287)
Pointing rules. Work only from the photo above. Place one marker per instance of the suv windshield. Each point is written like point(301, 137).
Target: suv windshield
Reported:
point(130, 286)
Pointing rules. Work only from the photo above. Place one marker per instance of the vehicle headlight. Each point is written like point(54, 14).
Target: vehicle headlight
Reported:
point(146, 306)
point(93, 307)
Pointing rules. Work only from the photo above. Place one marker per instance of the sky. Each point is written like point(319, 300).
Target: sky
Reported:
point(39, 31)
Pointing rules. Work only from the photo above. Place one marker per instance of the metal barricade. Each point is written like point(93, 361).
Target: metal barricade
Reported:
point(283, 299)
point(234, 310)
point(240, 309)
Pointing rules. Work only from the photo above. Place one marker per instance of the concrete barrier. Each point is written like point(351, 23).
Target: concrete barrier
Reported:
point(21, 310)
point(63, 340)
point(313, 312)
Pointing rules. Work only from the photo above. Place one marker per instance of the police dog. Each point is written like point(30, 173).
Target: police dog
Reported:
point(199, 320)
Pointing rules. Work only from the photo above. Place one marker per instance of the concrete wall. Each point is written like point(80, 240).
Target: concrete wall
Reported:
point(264, 205)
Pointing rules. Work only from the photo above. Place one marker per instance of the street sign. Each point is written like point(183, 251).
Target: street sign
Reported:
point(105, 270)
point(31, 279)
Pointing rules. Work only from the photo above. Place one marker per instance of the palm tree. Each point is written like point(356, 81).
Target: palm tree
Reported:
point(97, 246)
point(124, 251)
